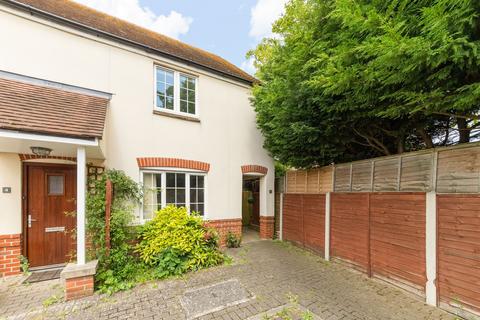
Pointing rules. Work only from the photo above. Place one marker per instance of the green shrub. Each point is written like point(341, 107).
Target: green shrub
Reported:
point(24, 265)
point(233, 241)
point(174, 242)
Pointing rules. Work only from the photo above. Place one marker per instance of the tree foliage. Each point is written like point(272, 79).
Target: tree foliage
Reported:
point(350, 79)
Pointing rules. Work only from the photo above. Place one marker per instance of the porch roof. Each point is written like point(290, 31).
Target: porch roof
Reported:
point(35, 108)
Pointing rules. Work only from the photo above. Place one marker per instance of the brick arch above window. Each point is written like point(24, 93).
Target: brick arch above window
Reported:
point(253, 168)
point(153, 162)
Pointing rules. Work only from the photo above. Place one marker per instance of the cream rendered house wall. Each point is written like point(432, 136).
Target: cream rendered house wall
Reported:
point(10, 203)
point(226, 136)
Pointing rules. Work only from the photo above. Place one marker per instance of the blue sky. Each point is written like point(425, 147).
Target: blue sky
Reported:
point(228, 28)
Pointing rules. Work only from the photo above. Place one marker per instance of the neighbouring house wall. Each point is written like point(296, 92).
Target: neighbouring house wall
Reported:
point(226, 136)
point(10, 203)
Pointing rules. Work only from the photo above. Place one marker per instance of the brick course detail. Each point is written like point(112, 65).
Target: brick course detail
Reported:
point(267, 227)
point(173, 163)
point(224, 226)
point(24, 157)
point(10, 250)
point(253, 168)
point(76, 288)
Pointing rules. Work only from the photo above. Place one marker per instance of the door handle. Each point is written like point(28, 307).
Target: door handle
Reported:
point(30, 220)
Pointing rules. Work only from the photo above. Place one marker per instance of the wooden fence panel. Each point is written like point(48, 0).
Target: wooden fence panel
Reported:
point(362, 176)
point(313, 177)
point(304, 220)
point(397, 230)
point(314, 222)
point(349, 228)
point(292, 218)
point(416, 172)
point(291, 181)
point(301, 181)
point(386, 174)
point(342, 177)
point(317, 180)
point(326, 179)
point(458, 171)
point(459, 250)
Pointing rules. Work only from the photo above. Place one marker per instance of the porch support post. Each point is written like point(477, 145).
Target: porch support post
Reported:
point(81, 186)
point(431, 248)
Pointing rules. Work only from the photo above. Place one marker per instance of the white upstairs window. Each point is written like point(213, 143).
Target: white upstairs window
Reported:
point(175, 92)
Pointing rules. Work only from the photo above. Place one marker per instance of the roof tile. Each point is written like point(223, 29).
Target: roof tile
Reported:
point(40, 109)
point(91, 18)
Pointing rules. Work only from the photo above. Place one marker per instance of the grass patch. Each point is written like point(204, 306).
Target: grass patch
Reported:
point(51, 300)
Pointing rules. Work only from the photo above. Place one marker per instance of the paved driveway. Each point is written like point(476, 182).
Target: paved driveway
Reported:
point(266, 277)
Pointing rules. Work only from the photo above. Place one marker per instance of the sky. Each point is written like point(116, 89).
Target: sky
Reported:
point(228, 28)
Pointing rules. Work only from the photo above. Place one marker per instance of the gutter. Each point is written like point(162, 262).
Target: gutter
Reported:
point(99, 33)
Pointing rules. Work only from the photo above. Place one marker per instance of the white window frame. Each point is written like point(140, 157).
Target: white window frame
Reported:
point(176, 93)
point(187, 173)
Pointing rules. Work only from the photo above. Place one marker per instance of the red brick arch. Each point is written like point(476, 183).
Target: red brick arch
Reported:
point(153, 162)
point(25, 157)
point(253, 168)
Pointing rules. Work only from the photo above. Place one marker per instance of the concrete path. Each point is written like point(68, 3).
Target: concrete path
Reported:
point(267, 279)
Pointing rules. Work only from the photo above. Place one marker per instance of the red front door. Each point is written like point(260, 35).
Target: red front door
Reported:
point(50, 219)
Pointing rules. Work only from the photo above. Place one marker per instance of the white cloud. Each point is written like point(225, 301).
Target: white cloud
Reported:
point(263, 15)
point(248, 66)
point(173, 25)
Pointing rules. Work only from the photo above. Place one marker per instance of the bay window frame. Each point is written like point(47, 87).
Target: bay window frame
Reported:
point(176, 92)
point(163, 188)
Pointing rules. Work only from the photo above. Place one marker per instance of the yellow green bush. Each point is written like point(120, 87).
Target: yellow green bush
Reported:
point(175, 241)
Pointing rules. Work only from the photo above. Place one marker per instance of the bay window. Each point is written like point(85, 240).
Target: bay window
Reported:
point(175, 92)
point(181, 189)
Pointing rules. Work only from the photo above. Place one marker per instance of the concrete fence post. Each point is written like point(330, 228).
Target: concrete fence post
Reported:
point(281, 217)
point(327, 226)
point(431, 248)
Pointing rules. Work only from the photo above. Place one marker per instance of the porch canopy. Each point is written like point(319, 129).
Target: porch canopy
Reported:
point(68, 120)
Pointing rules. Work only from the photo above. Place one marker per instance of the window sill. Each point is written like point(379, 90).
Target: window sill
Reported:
point(176, 116)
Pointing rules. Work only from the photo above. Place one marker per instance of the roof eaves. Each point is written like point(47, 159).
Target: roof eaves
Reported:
point(55, 18)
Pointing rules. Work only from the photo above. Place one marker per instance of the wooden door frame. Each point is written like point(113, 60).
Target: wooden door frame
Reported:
point(24, 197)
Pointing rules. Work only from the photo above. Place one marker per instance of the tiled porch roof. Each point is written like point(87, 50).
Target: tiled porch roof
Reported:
point(41, 109)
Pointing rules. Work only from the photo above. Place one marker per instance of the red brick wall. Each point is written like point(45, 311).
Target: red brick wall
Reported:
point(10, 250)
point(76, 288)
point(267, 227)
point(224, 226)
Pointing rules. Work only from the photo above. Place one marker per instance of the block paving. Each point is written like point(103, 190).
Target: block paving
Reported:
point(274, 273)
